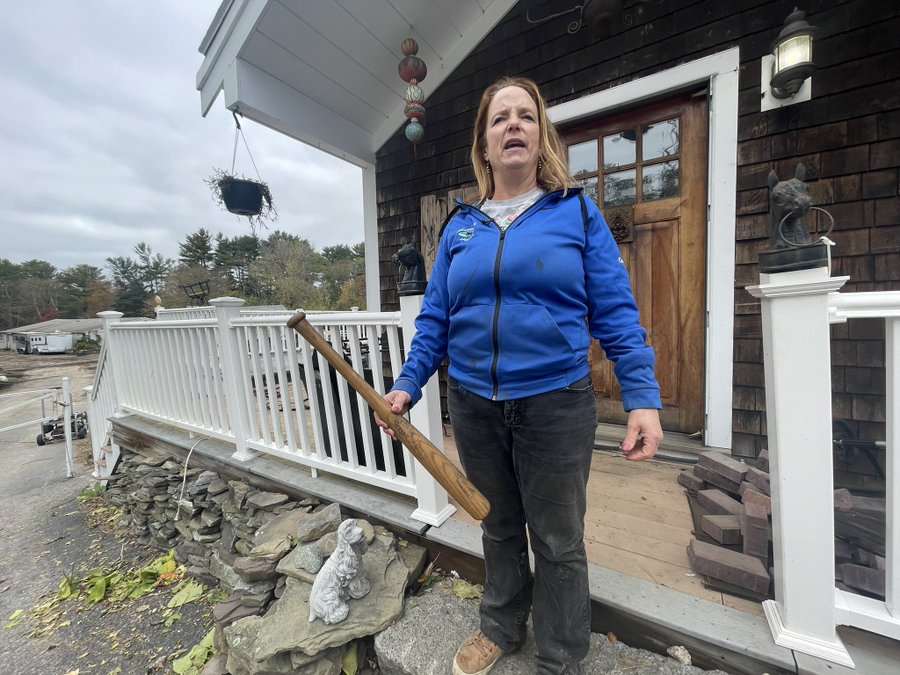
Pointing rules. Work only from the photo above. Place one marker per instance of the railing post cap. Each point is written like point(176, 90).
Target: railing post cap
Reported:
point(227, 302)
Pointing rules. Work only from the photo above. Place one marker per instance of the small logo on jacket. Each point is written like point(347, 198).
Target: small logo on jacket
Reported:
point(466, 233)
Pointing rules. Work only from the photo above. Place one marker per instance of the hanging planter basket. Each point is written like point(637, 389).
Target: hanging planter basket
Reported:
point(240, 195)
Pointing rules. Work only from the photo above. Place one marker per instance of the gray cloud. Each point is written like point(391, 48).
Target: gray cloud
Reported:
point(103, 145)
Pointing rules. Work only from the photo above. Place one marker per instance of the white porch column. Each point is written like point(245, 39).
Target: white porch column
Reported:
point(226, 310)
point(797, 353)
point(370, 232)
point(434, 507)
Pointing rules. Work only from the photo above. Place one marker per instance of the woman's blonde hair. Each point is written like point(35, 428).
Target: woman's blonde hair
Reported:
point(553, 171)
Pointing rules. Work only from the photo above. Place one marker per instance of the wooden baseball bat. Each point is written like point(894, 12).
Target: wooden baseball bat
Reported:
point(434, 461)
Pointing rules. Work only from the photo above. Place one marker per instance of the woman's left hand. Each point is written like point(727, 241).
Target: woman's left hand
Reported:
point(643, 434)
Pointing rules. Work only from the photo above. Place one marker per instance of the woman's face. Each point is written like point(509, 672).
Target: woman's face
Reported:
point(513, 134)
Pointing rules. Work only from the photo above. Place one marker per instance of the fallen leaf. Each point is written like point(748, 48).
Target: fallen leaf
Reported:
point(350, 662)
point(464, 589)
point(14, 619)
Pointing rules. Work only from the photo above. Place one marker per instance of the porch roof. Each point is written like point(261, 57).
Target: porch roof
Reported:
point(325, 72)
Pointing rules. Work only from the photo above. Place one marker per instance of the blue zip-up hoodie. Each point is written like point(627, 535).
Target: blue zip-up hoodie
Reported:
point(514, 309)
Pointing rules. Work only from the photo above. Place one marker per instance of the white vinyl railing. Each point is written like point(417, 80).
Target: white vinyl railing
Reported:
point(102, 398)
point(241, 375)
point(797, 308)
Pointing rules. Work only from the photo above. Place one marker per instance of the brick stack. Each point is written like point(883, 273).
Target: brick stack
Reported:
point(860, 543)
point(735, 499)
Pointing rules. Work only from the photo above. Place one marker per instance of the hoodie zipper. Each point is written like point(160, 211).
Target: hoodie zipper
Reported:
point(495, 323)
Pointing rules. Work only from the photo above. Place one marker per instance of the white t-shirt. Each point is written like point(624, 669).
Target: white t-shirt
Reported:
point(505, 211)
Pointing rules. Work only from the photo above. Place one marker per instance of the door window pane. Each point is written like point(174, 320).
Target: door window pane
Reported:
point(590, 187)
point(583, 158)
point(619, 188)
point(660, 181)
point(660, 139)
point(619, 150)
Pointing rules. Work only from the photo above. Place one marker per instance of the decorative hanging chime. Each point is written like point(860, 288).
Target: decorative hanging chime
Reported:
point(412, 70)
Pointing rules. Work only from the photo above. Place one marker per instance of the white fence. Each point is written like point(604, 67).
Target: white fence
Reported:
point(102, 397)
point(797, 308)
point(243, 376)
point(60, 402)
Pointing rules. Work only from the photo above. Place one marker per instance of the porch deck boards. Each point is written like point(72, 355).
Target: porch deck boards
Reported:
point(639, 523)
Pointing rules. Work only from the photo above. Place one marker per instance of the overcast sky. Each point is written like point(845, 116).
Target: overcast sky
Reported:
point(102, 144)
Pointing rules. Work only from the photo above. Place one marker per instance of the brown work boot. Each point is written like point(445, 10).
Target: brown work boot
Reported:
point(476, 655)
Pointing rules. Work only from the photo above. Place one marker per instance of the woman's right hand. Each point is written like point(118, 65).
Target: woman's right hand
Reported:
point(399, 402)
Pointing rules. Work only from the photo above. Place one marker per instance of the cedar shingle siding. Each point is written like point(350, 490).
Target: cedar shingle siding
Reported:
point(848, 136)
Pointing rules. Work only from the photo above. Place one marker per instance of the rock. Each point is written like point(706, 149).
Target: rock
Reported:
point(266, 500)
point(258, 600)
point(238, 492)
point(272, 551)
point(216, 487)
point(229, 538)
point(210, 519)
point(286, 628)
point(243, 655)
point(318, 523)
point(281, 526)
point(310, 558)
point(328, 543)
point(434, 624)
point(215, 666)
point(414, 557)
point(231, 610)
point(255, 587)
point(680, 654)
point(208, 538)
point(223, 572)
point(254, 569)
point(243, 546)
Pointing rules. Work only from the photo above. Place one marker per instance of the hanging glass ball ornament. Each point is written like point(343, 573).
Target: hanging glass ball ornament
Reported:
point(412, 67)
point(409, 47)
point(414, 111)
point(415, 132)
point(414, 93)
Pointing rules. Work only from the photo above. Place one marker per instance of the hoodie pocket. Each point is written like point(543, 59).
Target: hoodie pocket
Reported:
point(531, 343)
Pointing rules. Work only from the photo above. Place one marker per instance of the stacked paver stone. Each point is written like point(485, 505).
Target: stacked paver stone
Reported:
point(735, 497)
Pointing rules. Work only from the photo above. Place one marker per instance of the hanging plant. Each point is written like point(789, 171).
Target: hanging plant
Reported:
point(241, 195)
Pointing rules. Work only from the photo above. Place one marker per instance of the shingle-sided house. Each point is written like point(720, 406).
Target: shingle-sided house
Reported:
point(666, 109)
point(673, 125)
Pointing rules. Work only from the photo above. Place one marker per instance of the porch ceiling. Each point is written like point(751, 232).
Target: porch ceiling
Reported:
point(325, 72)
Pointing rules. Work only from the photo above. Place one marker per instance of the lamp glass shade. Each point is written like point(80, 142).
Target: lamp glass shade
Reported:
point(793, 52)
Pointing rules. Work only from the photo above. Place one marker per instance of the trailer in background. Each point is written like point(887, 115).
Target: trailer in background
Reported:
point(45, 343)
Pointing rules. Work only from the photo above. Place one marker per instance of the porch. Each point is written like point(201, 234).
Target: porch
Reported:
point(647, 598)
point(236, 390)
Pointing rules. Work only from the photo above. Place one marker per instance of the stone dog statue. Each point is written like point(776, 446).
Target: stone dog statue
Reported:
point(341, 577)
point(790, 201)
point(412, 264)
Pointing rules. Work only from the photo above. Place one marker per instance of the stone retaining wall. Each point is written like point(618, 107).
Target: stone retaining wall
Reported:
point(264, 549)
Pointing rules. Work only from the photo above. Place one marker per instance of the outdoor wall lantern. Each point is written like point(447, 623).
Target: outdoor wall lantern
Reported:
point(786, 76)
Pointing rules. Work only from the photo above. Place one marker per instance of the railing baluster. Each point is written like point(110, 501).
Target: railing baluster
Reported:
point(336, 334)
point(892, 411)
point(409, 466)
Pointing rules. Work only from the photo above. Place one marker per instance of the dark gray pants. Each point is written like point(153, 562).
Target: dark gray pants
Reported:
point(531, 458)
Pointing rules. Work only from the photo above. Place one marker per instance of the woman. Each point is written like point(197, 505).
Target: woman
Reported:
point(519, 285)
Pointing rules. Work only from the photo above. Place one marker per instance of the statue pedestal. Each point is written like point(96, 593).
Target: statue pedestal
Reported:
point(411, 287)
point(790, 259)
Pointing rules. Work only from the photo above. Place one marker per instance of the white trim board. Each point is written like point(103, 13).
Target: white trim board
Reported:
point(720, 71)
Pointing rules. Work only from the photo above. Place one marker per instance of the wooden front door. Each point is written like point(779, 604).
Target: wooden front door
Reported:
point(646, 169)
